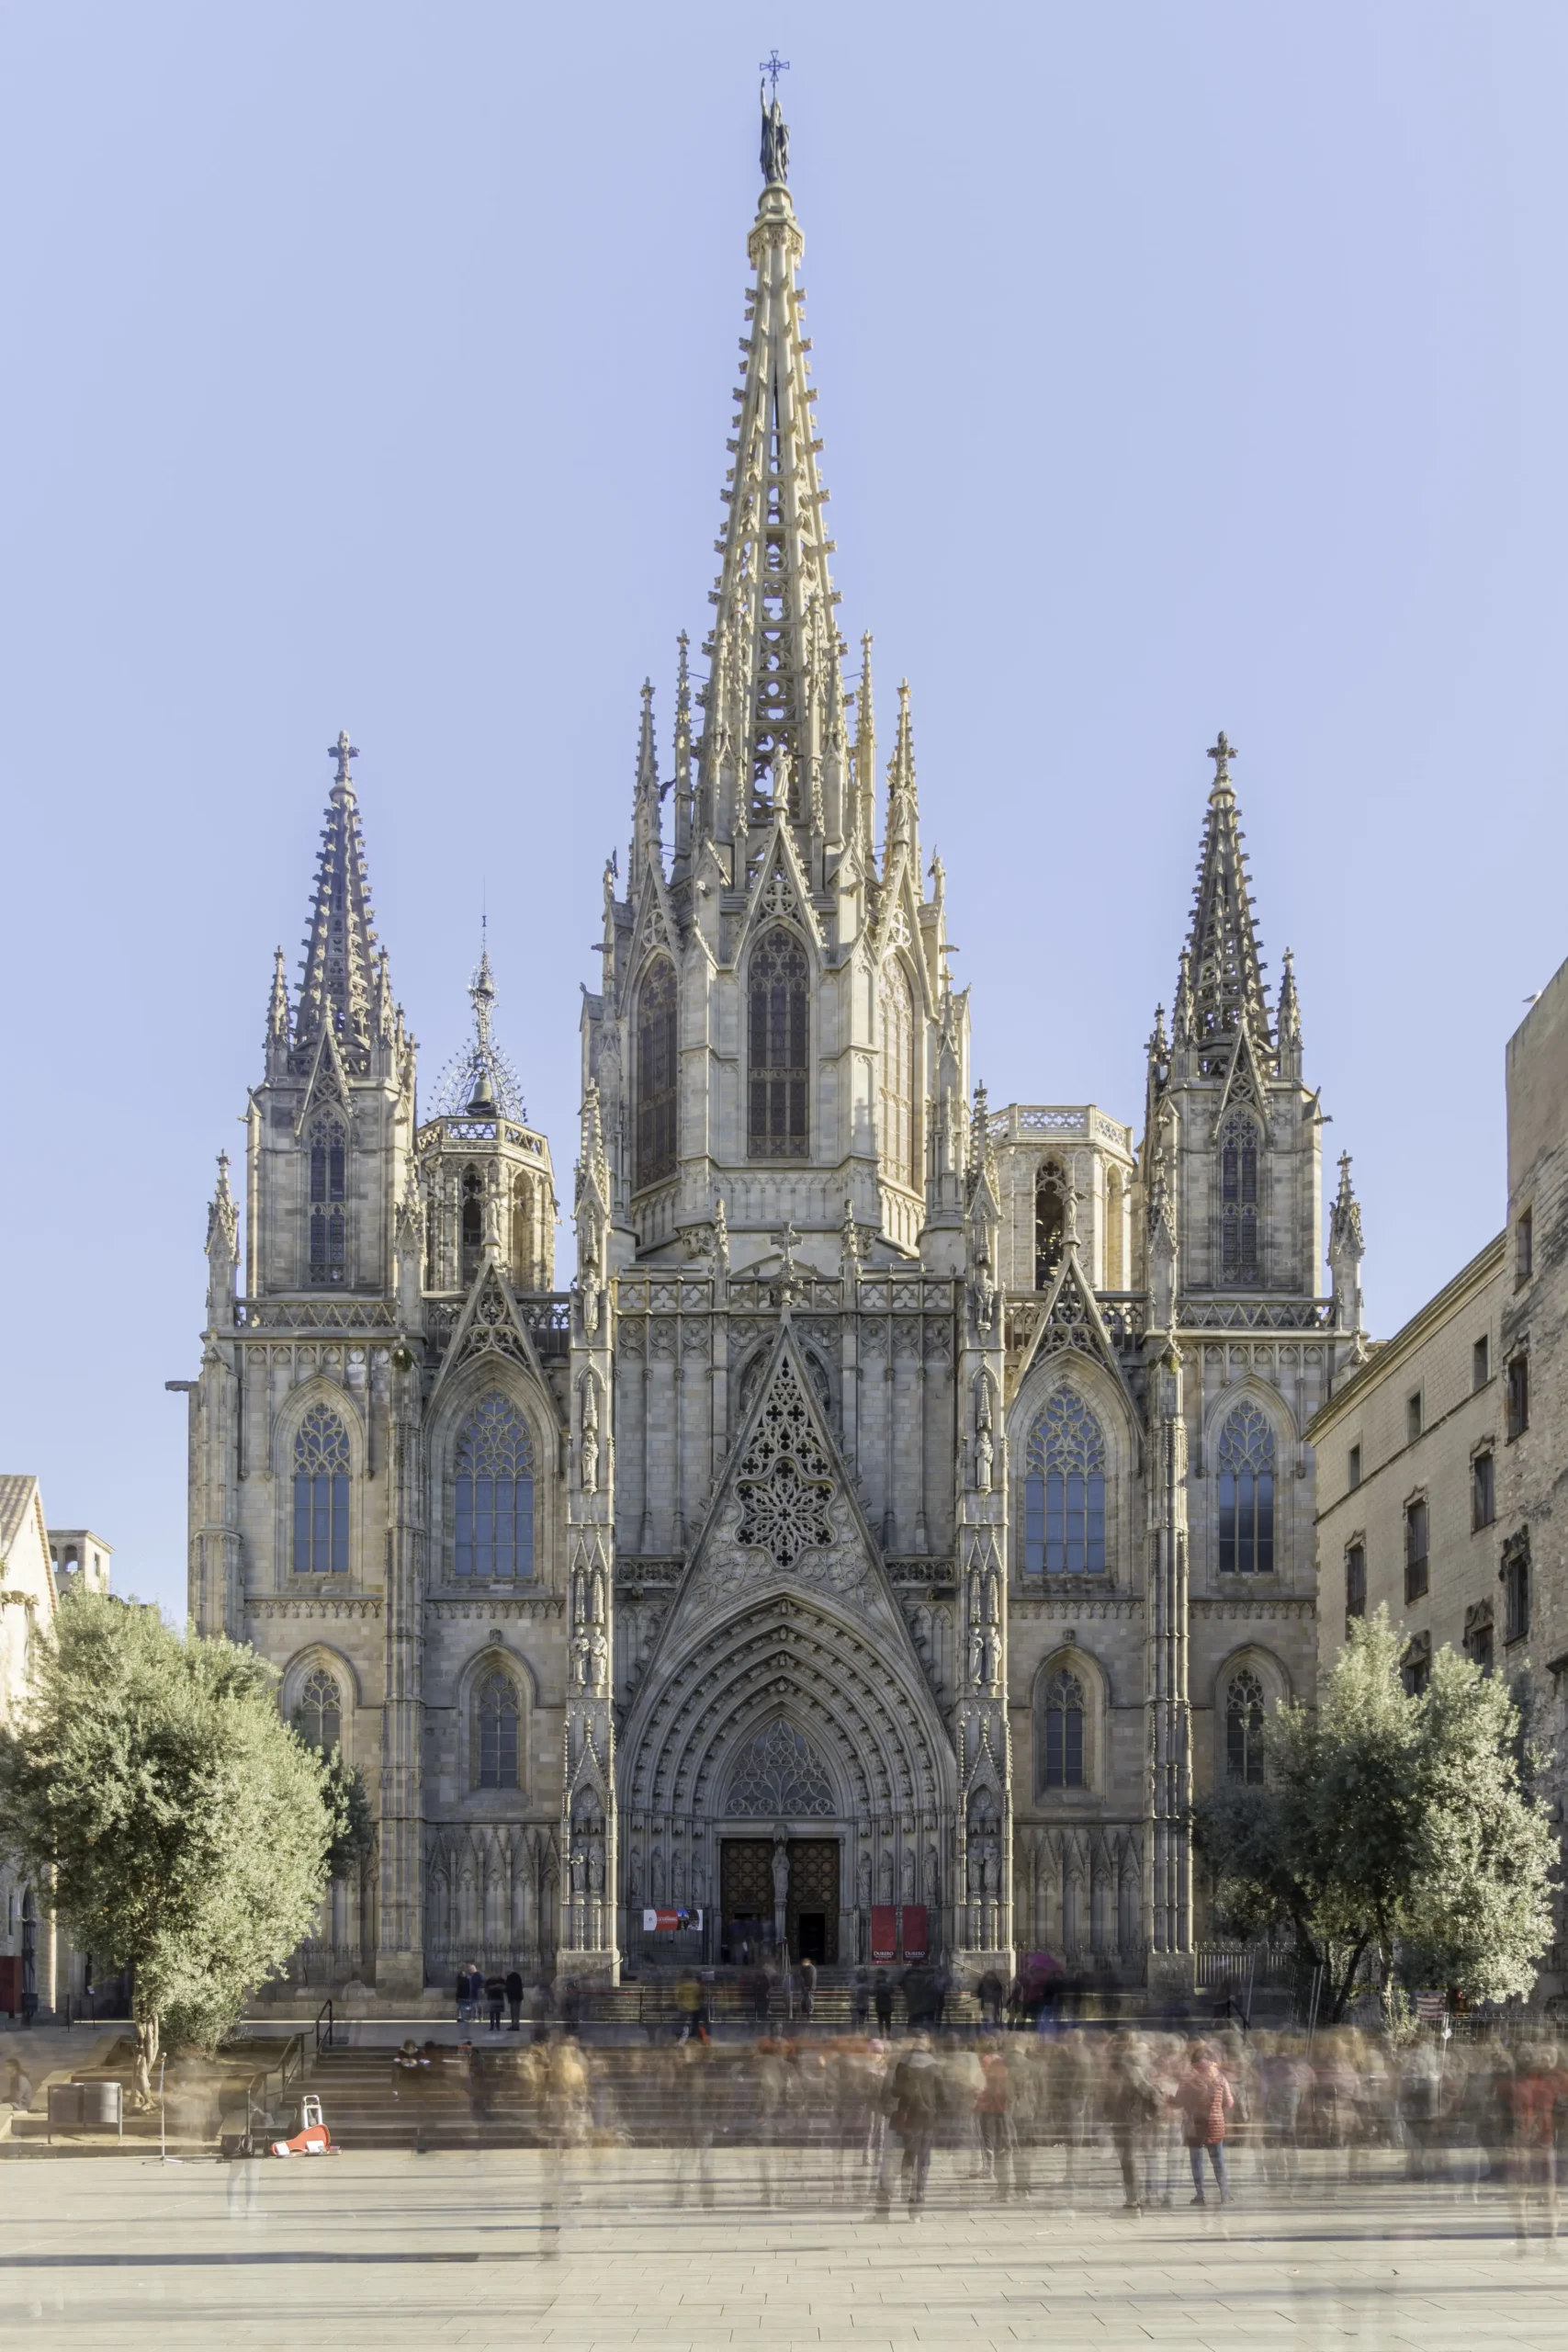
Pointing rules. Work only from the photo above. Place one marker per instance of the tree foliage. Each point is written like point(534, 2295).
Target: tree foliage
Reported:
point(1392, 1823)
point(181, 1828)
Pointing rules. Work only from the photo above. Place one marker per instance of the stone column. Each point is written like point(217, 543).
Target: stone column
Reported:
point(400, 1959)
point(1168, 1839)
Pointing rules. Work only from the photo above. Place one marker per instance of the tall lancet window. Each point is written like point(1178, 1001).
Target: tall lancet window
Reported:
point(318, 1719)
point(897, 1073)
point(656, 1073)
point(494, 1492)
point(1050, 1224)
point(329, 1186)
point(321, 1494)
point(1246, 1463)
point(472, 1221)
point(1238, 1201)
point(779, 1042)
point(495, 1728)
point(1244, 1729)
point(1063, 1490)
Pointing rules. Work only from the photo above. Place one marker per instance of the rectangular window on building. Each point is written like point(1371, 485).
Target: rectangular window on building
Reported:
point(1416, 1667)
point(1413, 1418)
point(1518, 1394)
point(1482, 1491)
point(1524, 1247)
point(1416, 1529)
point(1355, 1582)
point(1516, 1592)
point(1353, 1467)
point(1481, 1363)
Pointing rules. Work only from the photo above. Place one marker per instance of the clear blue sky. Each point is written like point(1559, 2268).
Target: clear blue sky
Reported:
point(1181, 366)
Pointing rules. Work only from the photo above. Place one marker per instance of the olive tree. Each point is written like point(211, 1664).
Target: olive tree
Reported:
point(1390, 1823)
point(180, 1827)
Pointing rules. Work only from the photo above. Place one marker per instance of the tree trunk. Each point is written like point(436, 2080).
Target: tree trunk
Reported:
point(146, 2059)
point(1342, 1993)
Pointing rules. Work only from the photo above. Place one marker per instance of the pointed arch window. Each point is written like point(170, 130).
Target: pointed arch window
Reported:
point(779, 1038)
point(1115, 1236)
point(320, 1495)
point(897, 1006)
point(494, 1492)
point(1050, 1224)
point(318, 1716)
point(329, 1186)
point(472, 1221)
point(1063, 1490)
point(495, 1732)
point(655, 1068)
point(525, 1261)
point(1239, 1259)
point(1245, 1461)
point(1063, 1744)
point(1244, 1729)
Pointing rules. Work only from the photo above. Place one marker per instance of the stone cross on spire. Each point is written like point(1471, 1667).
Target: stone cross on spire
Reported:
point(343, 750)
point(1222, 753)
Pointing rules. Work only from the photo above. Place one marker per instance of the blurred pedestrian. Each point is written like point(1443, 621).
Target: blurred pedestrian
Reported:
point(914, 2100)
point(515, 2000)
point(882, 1999)
point(496, 1995)
point(808, 1988)
point(1205, 2099)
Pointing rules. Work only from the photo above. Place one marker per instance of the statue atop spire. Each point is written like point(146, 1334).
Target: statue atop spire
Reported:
point(775, 130)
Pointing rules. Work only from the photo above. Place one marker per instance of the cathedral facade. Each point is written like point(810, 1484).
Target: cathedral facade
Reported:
point(902, 1507)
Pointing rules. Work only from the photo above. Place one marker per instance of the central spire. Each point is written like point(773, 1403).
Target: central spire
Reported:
point(338, 985)
point(773, 720)
point(1220, 990)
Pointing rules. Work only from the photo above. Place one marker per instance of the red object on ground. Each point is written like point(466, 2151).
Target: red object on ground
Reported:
point(314, 2140)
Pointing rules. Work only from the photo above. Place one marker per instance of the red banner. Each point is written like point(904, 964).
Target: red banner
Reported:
point(915, 1933)
point(884, 1934)
point(10, 1982)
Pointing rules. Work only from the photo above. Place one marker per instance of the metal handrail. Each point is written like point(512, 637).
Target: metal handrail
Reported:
point(323, 2041)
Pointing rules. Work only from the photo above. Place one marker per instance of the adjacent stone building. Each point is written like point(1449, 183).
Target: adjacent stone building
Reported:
point(42, 1971)
point(1410, 1449)
point(1441, 1460)
point(903, 1504)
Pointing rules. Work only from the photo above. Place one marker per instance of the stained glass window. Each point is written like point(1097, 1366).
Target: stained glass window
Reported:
point(321, 1494)
point(1238, 1201)
point(1245, 1464)
point(1244, 1728)
point(656, 1070)
point(897, 1072)
point(1063, 1490)
point(328, 1190)
point(778, 1029)
point(497, 1722)
point(494, 1492)
point(1064, 1732)
point(320, 1713)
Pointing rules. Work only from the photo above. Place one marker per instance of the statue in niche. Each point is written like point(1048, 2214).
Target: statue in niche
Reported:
point(589, 1441)
point(906, 1880)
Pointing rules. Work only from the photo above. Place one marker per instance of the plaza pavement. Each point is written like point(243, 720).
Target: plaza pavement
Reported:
point(517, 2249)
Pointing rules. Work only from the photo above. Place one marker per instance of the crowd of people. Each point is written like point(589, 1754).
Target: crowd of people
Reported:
point(1145, 2118)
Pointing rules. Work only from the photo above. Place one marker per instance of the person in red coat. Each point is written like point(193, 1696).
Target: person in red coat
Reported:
point(1204, 2098)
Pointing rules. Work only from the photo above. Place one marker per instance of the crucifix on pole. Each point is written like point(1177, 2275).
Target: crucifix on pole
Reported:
point(772, 66)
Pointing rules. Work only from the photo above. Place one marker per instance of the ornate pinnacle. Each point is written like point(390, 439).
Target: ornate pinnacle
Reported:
point(343, 750)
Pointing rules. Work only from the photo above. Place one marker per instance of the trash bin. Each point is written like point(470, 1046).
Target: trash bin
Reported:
point(64, 2108)
point(101, 2106)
